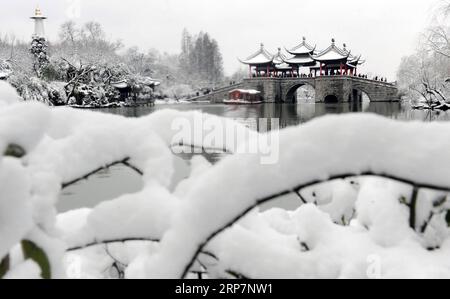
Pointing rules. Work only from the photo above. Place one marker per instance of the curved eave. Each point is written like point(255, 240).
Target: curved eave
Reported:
point(300, 53)
point(355, 64)
point(351, 65)
point(257, 63)
point(322, 59)
point(261, 57)
point(331, 60)
point(300, 62)
point(335, 49)
point(279, 58)
point(305, 52)
point(357, 61)
point(283, 67)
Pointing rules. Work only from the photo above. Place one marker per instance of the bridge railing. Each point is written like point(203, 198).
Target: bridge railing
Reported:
point(217, 90)
point(372, 80)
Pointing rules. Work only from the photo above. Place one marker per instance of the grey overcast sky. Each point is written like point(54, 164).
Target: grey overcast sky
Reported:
point(382, 30)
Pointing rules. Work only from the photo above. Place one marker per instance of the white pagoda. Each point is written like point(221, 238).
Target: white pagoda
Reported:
point(38, 18)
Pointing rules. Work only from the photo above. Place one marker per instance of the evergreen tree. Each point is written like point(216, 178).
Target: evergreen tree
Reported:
point(39, 48)
point(200, 59)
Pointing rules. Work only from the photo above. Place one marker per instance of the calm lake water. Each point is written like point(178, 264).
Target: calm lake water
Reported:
point(120, 180)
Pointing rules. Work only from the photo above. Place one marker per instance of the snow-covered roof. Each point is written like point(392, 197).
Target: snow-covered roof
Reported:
point(279, 58)
point(150, 81)
point(144, 81)
point(283, 66)
point(299, 60)
point(249, 91)
point(120, 84)
point(262, 56)
point(302, 49)
point(332, 53)
point(356, 61)
point(353, 60)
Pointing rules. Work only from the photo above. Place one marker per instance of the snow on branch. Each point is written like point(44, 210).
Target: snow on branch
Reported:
point(123, 162)
point(212, 216)
point(361, 145)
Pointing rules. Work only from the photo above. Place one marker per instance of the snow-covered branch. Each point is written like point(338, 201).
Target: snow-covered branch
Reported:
point(88, 175)
point(212, 217)
point(372, 157)
point(297, 190)
point(106, 242)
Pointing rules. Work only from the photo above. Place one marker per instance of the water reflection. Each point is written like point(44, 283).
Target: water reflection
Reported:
point(292, 114)
point(119, 180)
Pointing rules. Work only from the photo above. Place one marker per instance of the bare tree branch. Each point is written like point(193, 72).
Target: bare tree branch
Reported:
point(106, 242)
point(88, 175)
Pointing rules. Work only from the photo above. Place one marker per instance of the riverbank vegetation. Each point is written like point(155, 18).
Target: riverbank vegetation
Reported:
point(85, 68)
point(424, 76)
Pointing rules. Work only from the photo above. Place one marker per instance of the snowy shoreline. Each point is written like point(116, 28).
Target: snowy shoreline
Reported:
point(125, 105)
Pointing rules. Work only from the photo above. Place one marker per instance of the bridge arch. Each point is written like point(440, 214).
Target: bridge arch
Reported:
point(290, 95)
point(358, 93)
point(375, 91)
point(331, 99)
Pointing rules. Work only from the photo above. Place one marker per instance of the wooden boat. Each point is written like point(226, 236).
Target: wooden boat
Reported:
point(241, 102)
point(243, 97)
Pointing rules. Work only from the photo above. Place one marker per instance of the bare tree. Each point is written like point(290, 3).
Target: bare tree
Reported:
point(426, 73)
point(438, 40)
point(69, 33)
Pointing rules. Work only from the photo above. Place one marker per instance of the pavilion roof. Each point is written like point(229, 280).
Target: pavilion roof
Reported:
point(283, 66)
point(315, 66)
point(262, 56)
point(279, 58)
point(332, 53)
point(300, 60)
point(353, 60)
point(302, 49)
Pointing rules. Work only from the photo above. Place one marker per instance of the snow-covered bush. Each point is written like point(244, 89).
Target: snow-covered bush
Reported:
point(357, 226)
point(179, 91)
point(35, 89)
point(5, 69)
